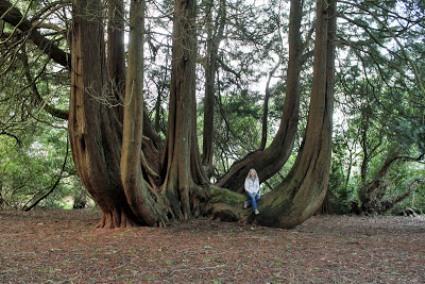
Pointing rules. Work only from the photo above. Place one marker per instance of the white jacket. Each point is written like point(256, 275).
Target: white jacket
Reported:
point(252, 186)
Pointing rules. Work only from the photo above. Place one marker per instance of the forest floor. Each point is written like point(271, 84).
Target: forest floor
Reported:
point(65, 247)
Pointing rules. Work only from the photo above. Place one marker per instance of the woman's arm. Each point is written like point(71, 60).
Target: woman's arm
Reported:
point(257, 186)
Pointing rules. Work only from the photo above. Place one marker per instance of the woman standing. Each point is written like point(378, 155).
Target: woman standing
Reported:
point(252, 190)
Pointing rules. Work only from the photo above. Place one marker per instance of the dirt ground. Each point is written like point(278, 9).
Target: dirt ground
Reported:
point(65, 247)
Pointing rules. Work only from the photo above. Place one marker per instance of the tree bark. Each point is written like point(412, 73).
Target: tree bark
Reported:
point(115, 53)
point(213, 42)
point(145, 206)
point(183, 168)
point(301, 194)
point(94, 129)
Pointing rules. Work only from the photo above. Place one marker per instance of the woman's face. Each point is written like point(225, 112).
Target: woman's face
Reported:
point(252, 173)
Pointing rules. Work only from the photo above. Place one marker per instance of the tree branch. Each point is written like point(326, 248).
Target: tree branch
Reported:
point(36, 95)
point(10, 14)
point(412, 186)
point(18, 141)
point(370, 187)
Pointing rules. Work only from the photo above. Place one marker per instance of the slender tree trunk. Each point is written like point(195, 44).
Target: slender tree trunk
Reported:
point(54, 186)
point(364, 169)
point(144, 204)
point(264, 120)
point(269, 161)
point(115, 52)
point(215, 34)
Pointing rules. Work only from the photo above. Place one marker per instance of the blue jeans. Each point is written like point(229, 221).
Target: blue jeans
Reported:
point(252, 200)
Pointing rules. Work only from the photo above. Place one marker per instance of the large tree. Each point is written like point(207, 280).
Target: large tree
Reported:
point(109, 149)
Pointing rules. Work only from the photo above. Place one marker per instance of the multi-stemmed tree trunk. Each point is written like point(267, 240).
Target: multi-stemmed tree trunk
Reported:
point(112, 162)
point(112, 172)
point(94, 128)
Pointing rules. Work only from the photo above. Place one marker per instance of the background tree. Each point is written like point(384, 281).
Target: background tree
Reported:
point(384, 121)
point(34, 98)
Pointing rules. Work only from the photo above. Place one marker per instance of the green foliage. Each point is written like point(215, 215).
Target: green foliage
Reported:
point(399, 179)
point(32, 143)
point(30, 169)
point(342, 191)
point(379, 99)
point(238, 128)
point(372, 129)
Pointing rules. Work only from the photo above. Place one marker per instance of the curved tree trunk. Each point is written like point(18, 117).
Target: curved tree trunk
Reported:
point(302, 192)
point(389, 204)
point(146, 205)
point(271, 160)
point(372, 193)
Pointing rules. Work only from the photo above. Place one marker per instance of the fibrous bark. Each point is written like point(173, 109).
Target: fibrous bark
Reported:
point(94, 129)
point(183, 168)
point(146, 205)
point(301, 194)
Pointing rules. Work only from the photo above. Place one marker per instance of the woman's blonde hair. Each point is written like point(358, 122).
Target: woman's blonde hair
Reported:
point(254, 171)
